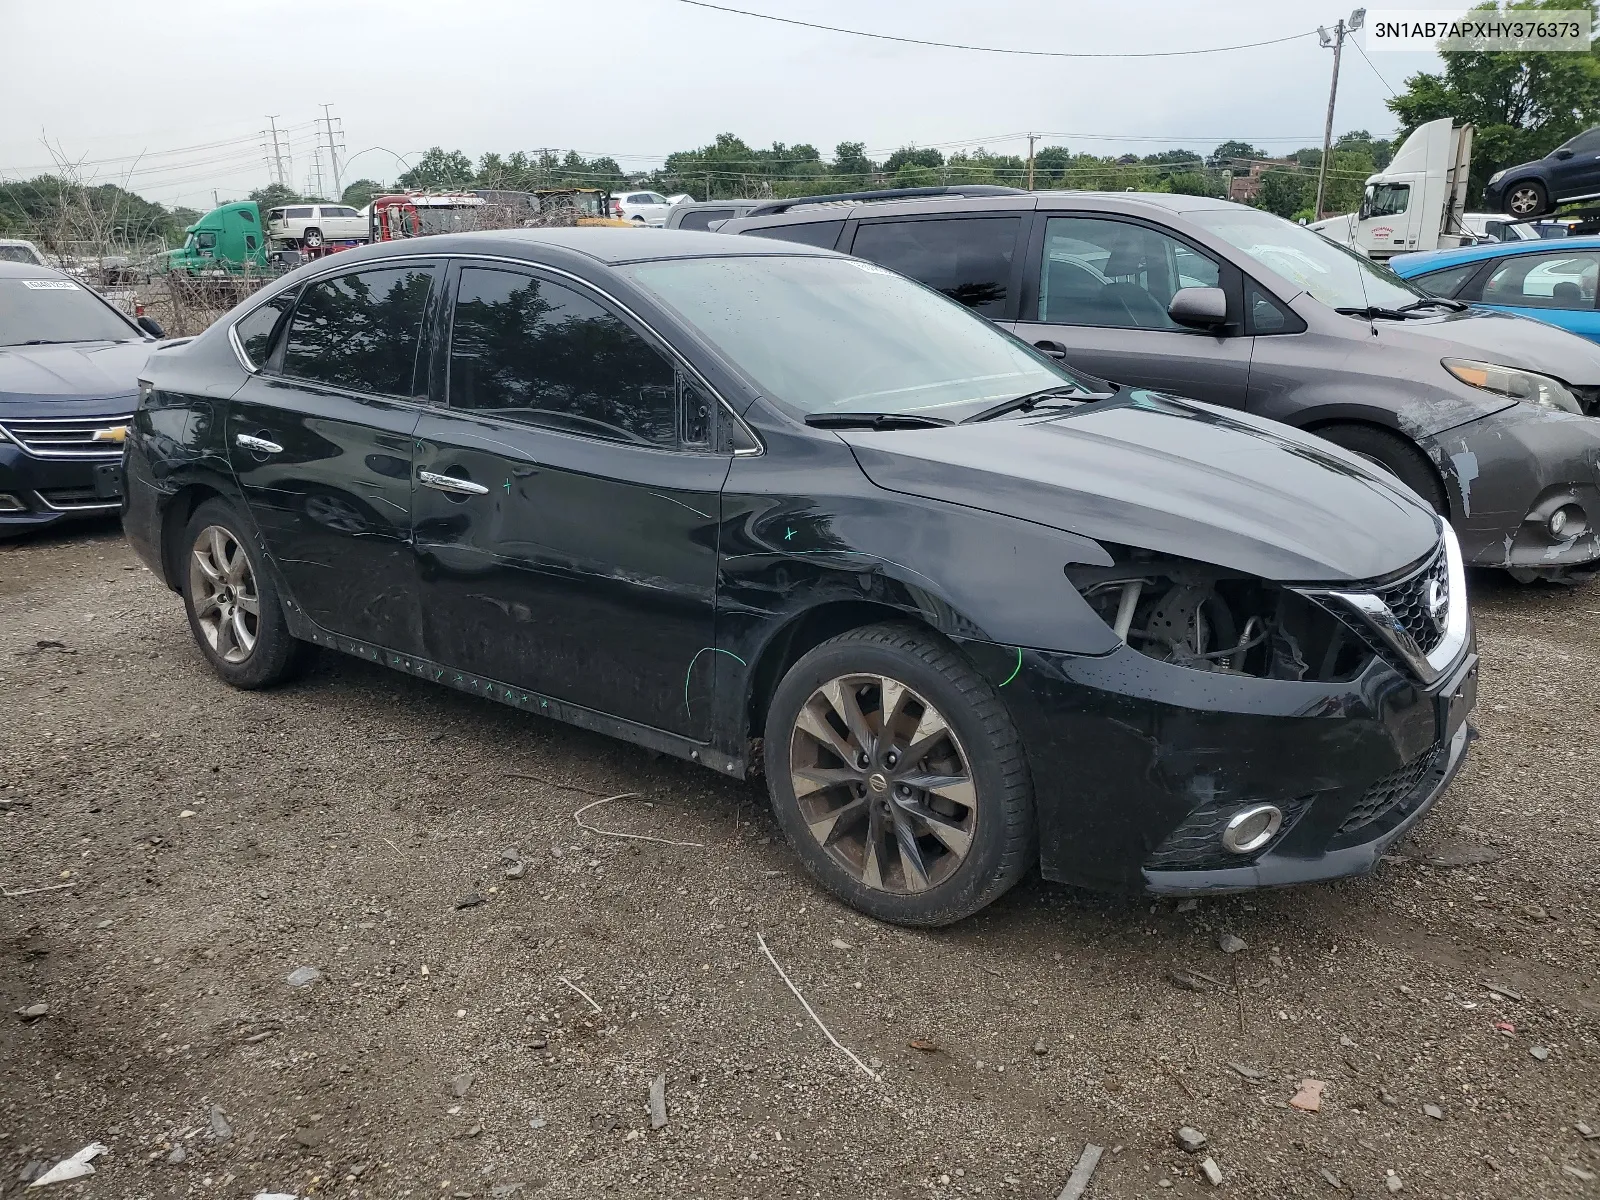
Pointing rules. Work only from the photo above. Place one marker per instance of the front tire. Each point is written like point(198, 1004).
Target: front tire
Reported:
point(234, 612)
point(898, 776)
point(1526, 199)
point(1394, 454)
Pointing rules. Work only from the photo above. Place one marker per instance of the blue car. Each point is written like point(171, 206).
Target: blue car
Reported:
point(69, 378)
point(1554, 282)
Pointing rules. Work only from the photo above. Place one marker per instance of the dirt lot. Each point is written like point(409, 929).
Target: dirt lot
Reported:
point(217, 841)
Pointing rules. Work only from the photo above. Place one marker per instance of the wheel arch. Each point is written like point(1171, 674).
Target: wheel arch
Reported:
point(175, 513)
point(1363, 419)
point(801, 633)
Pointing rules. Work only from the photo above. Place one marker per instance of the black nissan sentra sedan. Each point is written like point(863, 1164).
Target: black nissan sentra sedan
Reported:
point(69, 370)
point(772, 508)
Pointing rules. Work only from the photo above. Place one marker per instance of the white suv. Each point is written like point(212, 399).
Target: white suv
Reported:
point(647, 208)
point(316, 224)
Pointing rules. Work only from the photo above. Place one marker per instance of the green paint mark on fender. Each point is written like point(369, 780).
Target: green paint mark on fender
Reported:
point(1015, 669)
point(690, 671)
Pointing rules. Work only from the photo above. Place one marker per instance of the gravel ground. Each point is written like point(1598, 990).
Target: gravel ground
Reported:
point(470, 1032)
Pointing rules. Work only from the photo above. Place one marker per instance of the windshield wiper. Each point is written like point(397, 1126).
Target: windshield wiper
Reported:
point(1375, 313)
point(873, 420)
point(1023, 403)
point(1434, 302)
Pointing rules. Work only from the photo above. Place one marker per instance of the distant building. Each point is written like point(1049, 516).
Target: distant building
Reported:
point(1246, 188)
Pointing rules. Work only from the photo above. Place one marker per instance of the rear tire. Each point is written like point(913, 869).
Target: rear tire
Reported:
point(924, 826)
point(311, 238)
point(1393, 454)
point(223, 580)
point(1526, 198)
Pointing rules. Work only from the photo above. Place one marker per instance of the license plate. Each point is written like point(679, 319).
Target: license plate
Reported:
point(1457, 700)
point(108, 481)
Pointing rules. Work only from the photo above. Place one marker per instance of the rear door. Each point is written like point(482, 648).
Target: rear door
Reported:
point(567, 502)
point(1095, 294)
point(319, 439)
point(1558, 288)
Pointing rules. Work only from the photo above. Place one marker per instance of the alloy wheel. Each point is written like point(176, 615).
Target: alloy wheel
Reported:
point(883, 783)
point(1524, 202)
point(222, 587)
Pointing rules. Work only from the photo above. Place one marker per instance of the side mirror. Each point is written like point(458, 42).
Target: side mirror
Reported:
point(1563, 154)
point(151, 326)
point(1199, 307)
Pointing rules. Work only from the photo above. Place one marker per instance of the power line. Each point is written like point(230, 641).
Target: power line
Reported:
point(889, 37)
point(1375, 70)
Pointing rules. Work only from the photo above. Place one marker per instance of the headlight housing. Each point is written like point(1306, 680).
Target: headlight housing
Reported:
point(1527, 386)
point(1497, 177)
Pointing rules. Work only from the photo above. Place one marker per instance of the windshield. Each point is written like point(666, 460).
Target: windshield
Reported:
point(821, 335)
point(56, 310)
point(1338, 277)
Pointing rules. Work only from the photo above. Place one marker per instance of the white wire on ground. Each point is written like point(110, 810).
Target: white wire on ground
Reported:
point(582, 993)
point(617, 833)
point(868, 1071)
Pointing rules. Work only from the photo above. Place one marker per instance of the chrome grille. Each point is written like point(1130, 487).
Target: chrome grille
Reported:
point(1409, 601)
point(65, 437)
point(1393, 789)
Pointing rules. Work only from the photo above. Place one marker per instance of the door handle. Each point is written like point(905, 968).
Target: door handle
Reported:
point(259, 444)
point(451, 483)
point(1053, 349)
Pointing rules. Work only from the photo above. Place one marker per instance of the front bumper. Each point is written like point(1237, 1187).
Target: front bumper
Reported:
point(1136, 764)
point(1507, 473)
point(53, 490)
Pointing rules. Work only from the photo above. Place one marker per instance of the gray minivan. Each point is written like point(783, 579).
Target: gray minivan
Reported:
point(1489, 417)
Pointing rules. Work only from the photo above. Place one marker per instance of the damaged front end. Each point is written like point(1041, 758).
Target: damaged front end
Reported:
point(1259, 733)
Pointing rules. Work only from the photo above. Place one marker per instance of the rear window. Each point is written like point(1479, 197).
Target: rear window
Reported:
point(701, 218)
point(1445, 282)
point(814, 233)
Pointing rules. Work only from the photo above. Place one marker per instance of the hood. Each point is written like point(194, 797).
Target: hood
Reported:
point(1172, 476)
point(39, 381)
point(1505, 339)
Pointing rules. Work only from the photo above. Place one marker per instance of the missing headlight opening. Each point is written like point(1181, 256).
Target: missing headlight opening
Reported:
point(1209, 619)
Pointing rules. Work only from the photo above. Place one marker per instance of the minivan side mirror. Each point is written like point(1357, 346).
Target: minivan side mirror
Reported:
point(151, 326)
point(1199, 307)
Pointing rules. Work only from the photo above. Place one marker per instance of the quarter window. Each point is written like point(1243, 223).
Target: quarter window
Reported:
point(536, 351)
point(258, 331)
point(815, 233)
point(361, 331)
point(1544, 281)
point(701, 218)
point(1116, 274)
point(968, 258)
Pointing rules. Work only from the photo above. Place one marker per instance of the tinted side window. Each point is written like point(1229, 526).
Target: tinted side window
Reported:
point(1544, 281)
point(361, 330)
point(966, 258)
point(1445, 282)
point(701, 218)
point(817, 233)
point(1267, 315)
point(537, 351)
point(257, 333)
point(297, 214)
point(1114, 273)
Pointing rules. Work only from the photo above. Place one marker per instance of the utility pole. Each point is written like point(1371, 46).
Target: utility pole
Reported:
point(1341, 30)
point(1031, 138)
point(333, 155)
point(277, 154)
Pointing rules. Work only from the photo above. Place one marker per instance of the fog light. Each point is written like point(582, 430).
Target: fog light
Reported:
point(1568, 521)
point(11, 503)
point(1251, 828)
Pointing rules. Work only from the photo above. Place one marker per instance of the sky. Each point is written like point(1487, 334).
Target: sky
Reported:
point(171, 98)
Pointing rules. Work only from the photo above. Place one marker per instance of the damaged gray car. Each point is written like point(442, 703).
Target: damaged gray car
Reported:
point(1489, 417)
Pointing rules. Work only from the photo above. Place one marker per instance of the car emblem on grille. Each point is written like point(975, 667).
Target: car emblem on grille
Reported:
point(1438, 603)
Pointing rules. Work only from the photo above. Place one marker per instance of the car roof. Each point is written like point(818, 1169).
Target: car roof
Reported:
point(1129, 203)
point(1435, 260)
point(16, 270)
point(605, 245)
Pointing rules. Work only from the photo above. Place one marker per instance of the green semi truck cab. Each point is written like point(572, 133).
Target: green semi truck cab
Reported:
point(229, 238)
